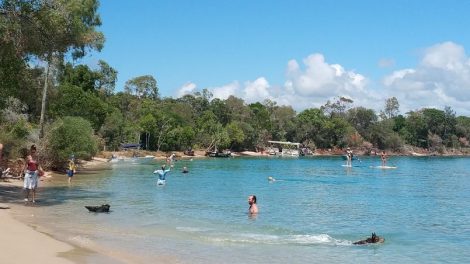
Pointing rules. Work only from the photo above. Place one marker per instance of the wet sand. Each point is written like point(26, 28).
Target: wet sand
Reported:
point(23, 239)
point(22, 244)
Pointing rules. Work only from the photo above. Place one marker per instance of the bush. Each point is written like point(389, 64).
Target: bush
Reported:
point(67, 136)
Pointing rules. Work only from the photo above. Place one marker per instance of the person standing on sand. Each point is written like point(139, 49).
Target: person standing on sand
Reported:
point(71, 168)
point(32, 172)
point(383, 156)
point(253, 209)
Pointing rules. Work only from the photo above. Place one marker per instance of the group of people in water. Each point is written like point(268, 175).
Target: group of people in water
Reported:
point(350, 157)
point(163, 171)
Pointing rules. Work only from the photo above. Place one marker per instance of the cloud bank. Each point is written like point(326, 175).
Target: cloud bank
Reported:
point(441, 78)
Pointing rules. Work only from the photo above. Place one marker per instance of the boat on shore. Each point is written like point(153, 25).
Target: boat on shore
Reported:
point(225, 154)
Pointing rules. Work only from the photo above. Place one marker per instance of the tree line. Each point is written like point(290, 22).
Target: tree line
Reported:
point(47, 98)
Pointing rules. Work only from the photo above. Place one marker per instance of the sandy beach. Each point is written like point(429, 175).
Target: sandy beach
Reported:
point(22, 244)
point(23, 240)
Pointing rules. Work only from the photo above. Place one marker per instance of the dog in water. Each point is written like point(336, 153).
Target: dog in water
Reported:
point(372, 239)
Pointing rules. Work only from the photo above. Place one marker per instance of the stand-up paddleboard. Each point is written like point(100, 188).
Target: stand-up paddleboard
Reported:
point(348, 166)
point(383, 167)
point(161, 182)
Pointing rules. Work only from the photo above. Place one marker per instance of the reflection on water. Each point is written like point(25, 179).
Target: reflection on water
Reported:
point(313, 211)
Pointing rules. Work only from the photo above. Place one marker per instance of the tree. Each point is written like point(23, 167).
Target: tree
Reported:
point(450, 122)
point(415, 131)
point(220, 109)
point(46, 29)
point(73, 101)
point(70, 135)
point(337, 108)
point(107, 77)
point(81, 76)
point(310, 126)
point(148, 123)
point(361, 119)
point(142, 87)
point(391, 109)
point(235, 133)
point(112, 130)
point(282, 119)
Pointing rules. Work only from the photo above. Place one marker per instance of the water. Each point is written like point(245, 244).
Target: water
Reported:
point(311, 214)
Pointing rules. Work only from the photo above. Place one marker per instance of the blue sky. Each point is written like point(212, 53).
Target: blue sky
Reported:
point(301, 53)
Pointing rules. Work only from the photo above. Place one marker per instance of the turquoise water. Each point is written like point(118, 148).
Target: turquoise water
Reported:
point(312, 212)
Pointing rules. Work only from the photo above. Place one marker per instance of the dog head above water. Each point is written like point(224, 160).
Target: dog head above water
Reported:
point(370, 240)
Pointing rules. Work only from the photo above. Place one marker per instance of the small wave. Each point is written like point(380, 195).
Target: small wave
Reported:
point(192, 229)
point(320, 239)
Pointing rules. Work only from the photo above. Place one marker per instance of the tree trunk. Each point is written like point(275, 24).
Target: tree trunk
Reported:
point(44, 97)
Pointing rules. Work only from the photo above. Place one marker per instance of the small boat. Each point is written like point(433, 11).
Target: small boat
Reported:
point(219, 154)
point(104, 208)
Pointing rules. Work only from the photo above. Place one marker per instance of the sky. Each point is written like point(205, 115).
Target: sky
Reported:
point(299, 52)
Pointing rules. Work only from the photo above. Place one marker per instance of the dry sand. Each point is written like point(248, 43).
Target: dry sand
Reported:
point(22, 244)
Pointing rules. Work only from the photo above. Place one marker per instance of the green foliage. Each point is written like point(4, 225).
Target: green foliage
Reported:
point(67, 136)
point(142, 87)
point(463, 126)
point(49, 31)
point(81, 76)
point(74, 101)
point(392, 108)
point(235, 133)
point(383, 136)
point(107, 77)
point(337, 108)
point(361, 119)
point(112, 131)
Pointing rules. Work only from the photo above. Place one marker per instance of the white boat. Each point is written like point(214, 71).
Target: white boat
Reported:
point(284, 148)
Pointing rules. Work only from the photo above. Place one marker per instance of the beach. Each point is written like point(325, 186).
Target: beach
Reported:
point(23, 230)
point(22, 244)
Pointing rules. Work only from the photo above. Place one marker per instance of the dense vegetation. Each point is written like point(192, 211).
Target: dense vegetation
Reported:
point(65, 107)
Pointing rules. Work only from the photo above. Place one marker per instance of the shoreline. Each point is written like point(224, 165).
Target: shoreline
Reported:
point(22, 229)
point(20, 232)
point(407, 152)
point(17, 237)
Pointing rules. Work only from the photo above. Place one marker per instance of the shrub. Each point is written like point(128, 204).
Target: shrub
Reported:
point(67, 136)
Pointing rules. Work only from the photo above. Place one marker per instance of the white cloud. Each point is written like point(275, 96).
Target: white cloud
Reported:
point(441, 78)
point(320, 79)
point(304, 88)
point(256, 91)
point(223, 92)
point(187, 88)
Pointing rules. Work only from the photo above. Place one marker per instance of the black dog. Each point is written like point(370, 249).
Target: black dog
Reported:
point(99, 209)
point(372, 239)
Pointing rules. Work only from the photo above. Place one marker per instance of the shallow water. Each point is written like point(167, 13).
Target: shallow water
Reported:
point(312, 212)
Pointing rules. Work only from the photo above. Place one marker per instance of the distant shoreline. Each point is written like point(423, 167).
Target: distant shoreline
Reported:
point(412, 152)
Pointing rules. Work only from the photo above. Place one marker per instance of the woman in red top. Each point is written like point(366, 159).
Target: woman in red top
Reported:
point(31, 174)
